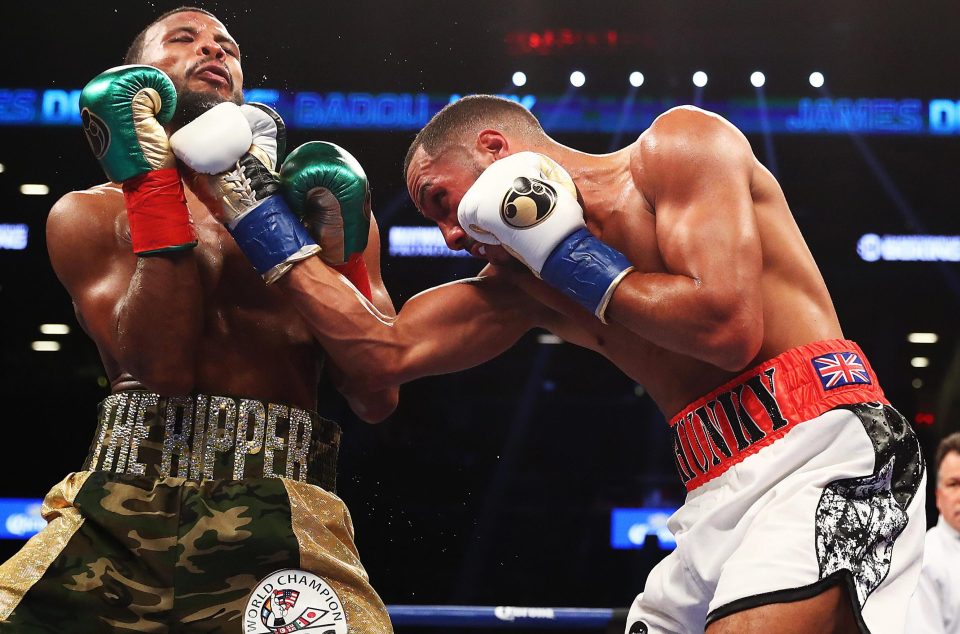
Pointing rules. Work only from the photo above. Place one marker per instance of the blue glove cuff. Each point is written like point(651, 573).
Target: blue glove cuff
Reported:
point(586, 270)
point(271, 236)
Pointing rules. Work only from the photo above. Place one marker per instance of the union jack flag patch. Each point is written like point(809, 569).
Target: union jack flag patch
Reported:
point(840, 368)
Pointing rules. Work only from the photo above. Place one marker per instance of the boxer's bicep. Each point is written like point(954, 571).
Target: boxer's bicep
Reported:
point(371, 405)
point(707, 304)
point(706, 227)
point(371, 257)
point(462, 324)
point(89, 261)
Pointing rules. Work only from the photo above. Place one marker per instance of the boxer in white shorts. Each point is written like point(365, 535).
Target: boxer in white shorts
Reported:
point(678, 259)
point(800, 476)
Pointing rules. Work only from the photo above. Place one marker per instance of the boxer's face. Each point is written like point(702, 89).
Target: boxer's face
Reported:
point(197, 53)
point(948, 489)
point(436, 185)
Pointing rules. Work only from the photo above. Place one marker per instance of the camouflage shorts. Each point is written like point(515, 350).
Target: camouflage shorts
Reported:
point(126, 553)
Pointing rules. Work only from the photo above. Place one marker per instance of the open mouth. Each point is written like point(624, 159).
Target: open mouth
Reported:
point(214, 73)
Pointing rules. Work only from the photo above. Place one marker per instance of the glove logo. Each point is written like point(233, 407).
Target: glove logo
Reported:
point(98, 134)
point(528, 203)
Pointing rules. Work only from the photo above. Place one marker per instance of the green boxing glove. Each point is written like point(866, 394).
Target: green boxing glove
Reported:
point(123, 111)
point(327, 188)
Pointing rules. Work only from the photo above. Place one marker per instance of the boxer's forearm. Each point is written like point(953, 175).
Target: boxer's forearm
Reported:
point(445, 329)
point(158, 322)
point(684, 315)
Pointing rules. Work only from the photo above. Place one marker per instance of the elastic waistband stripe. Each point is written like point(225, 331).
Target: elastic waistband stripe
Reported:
point(760, 405)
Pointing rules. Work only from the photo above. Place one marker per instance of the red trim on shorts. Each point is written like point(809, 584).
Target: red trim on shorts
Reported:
point(157, 211)
point(761, 405)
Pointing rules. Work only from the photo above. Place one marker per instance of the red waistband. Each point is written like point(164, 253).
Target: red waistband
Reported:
point(759, 406)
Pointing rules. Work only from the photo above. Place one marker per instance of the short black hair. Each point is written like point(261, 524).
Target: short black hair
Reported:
point(463, 115)
point(135, 50)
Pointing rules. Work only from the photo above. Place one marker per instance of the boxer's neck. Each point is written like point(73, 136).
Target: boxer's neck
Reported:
point(596, 175)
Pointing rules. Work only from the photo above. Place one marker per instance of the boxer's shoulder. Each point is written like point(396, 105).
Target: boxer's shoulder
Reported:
point(689, 131)
point(687, 143)
point(687, 122)
point(96, 204)
point(88, 219)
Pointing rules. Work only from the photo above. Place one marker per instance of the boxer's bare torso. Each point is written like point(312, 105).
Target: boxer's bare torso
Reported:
point(620, 209)
point(231, 334)
point(701, 244)
point(723, 281)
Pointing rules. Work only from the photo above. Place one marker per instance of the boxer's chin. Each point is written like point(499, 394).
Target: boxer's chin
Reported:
point(193, 103)
point(496, 254)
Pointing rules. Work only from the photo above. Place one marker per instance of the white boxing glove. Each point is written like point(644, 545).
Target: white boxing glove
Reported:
point(214, 141)
point(268, 131)
point(527, 203)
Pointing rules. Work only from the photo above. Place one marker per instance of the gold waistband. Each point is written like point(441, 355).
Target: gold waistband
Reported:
point(213, 437)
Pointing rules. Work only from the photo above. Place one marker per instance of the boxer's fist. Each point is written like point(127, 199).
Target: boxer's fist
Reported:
point(326, 187)
point(123, 111)
point(246, 189)
point(528, 203)
point(213, 142)
point(233, 149)
point(268, 132)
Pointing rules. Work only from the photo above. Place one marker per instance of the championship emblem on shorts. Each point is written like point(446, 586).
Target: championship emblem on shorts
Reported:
point(528, 202)
point(294, 600)
point(98, 134)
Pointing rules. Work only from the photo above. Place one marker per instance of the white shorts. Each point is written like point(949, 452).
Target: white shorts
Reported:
point(837, 500)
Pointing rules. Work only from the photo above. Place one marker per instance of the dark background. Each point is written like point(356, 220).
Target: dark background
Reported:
point(494, 486)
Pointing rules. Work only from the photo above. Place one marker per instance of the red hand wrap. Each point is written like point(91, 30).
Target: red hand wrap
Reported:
point(157, 211)
point(355, 270)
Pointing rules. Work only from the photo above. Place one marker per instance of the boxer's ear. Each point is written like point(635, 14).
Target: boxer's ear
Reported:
point(494, 143)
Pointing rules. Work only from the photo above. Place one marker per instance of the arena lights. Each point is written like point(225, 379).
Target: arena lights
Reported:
point(920, 362)
point(2, 168)
point(55, 329)
point(34, 189)
point(923, 337)
point(636, 79)
point(577, 79)
point(519, 79)
point(13, 237)
point(816, 79)
point(588, 113)
point(45, 346)
point(551, 41)
point(699, 79)
point(757, 79)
